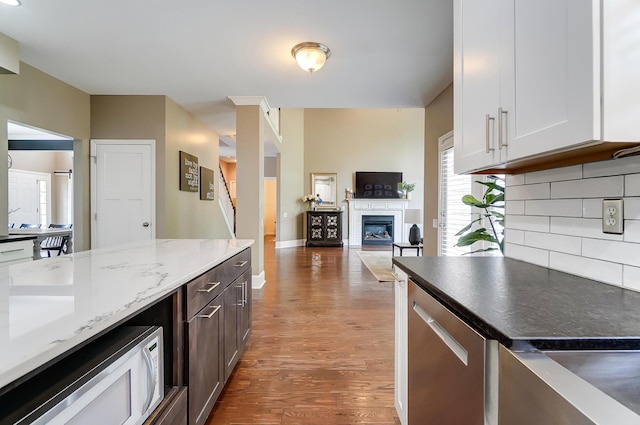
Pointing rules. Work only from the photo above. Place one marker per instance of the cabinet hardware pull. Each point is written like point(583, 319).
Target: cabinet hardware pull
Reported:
point(151, 378)
point(500, 136)
point(11, 250)
point(398, 278)
point(240, 264)
point(210, 315)
point(448, 340)
point(213, 286)
point(488, 119)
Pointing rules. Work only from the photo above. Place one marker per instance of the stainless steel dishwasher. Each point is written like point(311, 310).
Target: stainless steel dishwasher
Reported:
point(453, 370)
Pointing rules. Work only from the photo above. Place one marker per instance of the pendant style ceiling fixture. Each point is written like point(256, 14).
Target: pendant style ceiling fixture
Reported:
point(311, 56)
point(11, 2)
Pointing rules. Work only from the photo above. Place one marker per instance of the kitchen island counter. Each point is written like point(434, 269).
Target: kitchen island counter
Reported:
point(16, 238)
point(526, 307)
point(48, 308)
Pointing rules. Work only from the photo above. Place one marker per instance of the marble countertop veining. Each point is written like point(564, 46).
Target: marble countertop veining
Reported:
point(47, 307)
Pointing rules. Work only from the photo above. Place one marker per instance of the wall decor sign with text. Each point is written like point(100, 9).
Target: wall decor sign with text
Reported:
point(206, 184)
point(189, 172)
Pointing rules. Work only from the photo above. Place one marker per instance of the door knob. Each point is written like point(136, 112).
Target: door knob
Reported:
point(145, 224)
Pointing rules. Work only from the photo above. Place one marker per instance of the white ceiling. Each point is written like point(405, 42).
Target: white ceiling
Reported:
point(385, 53)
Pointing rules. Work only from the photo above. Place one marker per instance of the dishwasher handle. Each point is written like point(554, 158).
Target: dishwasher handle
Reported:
point(455, 347)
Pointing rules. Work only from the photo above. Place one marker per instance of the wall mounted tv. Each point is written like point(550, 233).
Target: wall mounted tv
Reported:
point(370, 184)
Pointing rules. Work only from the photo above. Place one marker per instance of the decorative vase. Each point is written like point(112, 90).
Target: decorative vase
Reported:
point(414, 235)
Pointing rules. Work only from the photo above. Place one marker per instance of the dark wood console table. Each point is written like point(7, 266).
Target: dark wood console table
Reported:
point(324, 228)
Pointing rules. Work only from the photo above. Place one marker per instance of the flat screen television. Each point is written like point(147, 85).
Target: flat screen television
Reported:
point(377, 184)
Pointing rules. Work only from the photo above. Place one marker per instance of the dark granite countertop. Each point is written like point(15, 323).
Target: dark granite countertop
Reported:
point(14, 238)
point(525, 306)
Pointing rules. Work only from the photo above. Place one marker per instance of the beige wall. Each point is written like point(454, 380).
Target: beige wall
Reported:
point(291, 180)
point(186, 215)
point(438, 121)
point(229, 170)
point(348, 140)
point(270, 166)
point(250, 127)
point(39, 100)
point(135, 117)
point(179, 214)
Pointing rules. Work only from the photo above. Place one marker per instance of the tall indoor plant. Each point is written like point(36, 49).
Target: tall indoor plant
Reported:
point(491, 215)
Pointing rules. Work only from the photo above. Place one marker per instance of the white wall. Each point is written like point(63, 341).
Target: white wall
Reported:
point(61, 186)
point(554, 219)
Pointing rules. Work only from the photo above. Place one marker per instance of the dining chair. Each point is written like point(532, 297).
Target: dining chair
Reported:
point(29, 226)
point(56, 243)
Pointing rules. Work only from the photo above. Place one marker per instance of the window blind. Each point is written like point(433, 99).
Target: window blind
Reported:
point(454, 215)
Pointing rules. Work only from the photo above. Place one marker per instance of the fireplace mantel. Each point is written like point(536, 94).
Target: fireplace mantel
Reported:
point(359, 207)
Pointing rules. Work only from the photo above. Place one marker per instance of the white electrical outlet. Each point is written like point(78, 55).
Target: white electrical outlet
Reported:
point(612, 216)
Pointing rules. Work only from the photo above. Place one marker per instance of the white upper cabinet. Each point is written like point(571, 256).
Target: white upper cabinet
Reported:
point(476, 82)
point(538, 77)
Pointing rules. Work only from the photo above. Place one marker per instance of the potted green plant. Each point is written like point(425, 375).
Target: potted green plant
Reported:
point(406, 188)
point(491, 213)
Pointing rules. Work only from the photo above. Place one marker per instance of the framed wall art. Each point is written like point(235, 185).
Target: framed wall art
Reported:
point(206, 184)
point(189, 177)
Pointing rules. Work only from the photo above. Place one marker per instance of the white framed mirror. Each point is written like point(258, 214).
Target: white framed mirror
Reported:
point(324, 186)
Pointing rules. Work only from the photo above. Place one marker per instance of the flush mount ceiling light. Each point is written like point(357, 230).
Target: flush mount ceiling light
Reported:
point(310, 55)
point(11, 2)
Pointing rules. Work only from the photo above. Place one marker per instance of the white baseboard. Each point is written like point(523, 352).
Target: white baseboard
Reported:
point(258, 281)
point(290, 244)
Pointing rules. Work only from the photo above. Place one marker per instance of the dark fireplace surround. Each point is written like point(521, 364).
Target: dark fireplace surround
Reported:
point(377, 229)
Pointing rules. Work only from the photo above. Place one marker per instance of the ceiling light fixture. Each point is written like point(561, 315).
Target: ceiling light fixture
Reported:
point(11, 2)
point(311, 56)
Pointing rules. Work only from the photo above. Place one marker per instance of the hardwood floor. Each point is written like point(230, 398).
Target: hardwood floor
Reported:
point(321, 349)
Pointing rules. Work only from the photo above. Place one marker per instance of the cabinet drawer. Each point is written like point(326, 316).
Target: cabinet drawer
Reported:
point(205, 288)
point(19, 250)
point(237, 265)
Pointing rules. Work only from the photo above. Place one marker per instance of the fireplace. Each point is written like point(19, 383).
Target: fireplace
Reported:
point(377, 229)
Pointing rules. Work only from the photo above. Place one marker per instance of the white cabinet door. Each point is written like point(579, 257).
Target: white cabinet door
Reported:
point(401, 343)
point(550, 90)
point(479, 30)
point(551, 76)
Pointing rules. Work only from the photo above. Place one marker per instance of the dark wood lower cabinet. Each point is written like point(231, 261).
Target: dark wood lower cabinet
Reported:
point(231, 299)
point(205, 372)
point(245, 310)
point(237, 320)
point(174, 411)
point(215, 336)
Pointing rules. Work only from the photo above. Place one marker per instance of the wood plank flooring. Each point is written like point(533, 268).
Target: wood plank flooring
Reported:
point(321, 349)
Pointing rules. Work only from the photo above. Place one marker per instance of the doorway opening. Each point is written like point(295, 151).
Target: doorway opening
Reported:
point(40, 187)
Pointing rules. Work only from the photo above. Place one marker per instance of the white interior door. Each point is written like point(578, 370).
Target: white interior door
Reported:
point(122, 191)
point(29, 199)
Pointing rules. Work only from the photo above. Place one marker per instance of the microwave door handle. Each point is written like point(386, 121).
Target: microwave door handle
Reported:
point(151, 378)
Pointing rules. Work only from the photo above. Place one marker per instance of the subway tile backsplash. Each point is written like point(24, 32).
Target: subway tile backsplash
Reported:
point(554, 219)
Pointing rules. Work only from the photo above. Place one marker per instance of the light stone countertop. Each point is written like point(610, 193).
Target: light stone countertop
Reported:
point(49, 306)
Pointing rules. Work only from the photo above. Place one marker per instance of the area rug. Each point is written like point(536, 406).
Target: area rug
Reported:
point(378, 263)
